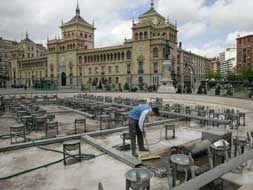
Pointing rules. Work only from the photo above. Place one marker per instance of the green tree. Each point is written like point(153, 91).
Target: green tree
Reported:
point(247, 73)
point(210, 75)
point(217, 75)
point(126, 86)
point(214, 75)
point(232, 76)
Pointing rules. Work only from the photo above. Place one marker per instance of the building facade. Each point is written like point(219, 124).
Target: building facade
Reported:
point(244, 52)
point(74, 61)
point(5, 60)
point(29, 63)
point(227, 61)
point(215, 65)
point(191, 67)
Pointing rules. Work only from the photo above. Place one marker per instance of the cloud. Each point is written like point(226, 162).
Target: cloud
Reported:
point(192, 30)
point(113, 33)
point(43, 18)
point(231, 14)
point(205, 26)
point(202, 22)
point(231, 37)
point(219, 16)
point(181, 10)
point(209, 50)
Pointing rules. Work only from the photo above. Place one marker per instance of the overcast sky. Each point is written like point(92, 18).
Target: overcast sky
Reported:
point(205, 26)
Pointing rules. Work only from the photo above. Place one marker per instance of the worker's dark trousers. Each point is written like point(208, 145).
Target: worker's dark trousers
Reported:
point(133, 131)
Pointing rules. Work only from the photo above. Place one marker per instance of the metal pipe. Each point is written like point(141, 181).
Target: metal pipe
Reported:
point(126, 158)
point(59, 139)
point(224, 122)
point(87, 115)
point(161, 122)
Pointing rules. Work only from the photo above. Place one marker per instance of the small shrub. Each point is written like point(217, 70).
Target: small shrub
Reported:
point(150, 88)
point(155, 88)
point(134, 89)
point(108, 87)
point(82, 87)
point(188, 90)
point(126, 86)
point(141, 87)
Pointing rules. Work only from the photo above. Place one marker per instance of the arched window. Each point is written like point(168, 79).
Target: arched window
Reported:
point(140, 67)
point(136, 36)
point(90, 70)
point(85, 59)
point(80, 59)
point(94, 58)
point(109, 69)
point(117, 69)
point(115, 56)
point(155, 52)
point(122, 55)
point(111, 57)
point(97, 58)
point(145, 35)
point(141, 36)
point(128, 54)
point(118, 56)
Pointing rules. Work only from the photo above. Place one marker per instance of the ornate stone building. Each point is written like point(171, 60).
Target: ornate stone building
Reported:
point(29, 63)
point(73, 60)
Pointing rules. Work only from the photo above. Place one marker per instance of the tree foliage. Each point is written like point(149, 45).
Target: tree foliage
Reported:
point(214, 75)
point(246, 73)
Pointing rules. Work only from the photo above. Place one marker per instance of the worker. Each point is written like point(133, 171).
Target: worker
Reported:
point(136, 119)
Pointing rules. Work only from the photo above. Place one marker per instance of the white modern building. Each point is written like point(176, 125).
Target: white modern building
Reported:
point(227, 61)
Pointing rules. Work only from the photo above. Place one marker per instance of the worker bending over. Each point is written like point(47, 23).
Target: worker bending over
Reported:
point(136, 119)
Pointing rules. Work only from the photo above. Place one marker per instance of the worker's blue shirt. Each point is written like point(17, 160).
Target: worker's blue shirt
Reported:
point(135, 113)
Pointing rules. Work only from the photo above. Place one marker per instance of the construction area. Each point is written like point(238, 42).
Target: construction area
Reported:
point(80, 141)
